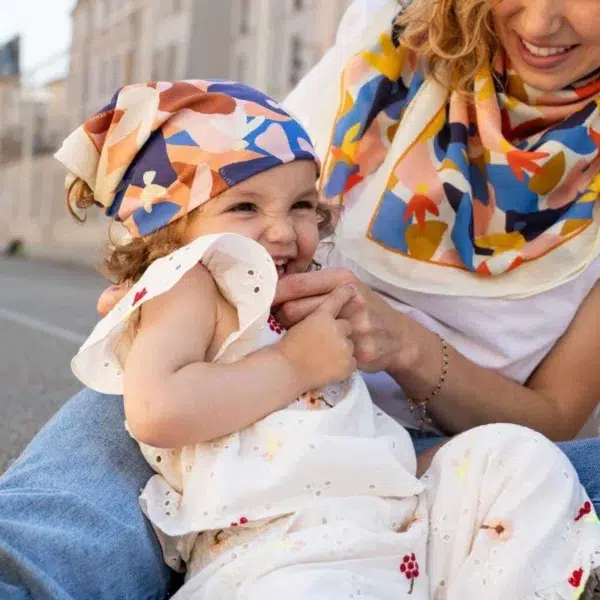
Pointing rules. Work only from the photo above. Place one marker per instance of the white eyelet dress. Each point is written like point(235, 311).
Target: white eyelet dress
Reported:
point(320, 499)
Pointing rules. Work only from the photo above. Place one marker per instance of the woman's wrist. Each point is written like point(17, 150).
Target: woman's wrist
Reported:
point(419, 364)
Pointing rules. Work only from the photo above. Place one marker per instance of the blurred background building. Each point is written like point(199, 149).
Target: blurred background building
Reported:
point(266, 43)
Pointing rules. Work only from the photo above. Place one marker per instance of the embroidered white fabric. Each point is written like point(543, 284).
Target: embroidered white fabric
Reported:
point(320, 499)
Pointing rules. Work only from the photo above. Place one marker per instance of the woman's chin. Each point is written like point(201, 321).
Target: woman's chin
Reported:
point(552, 79)
point(546, 80)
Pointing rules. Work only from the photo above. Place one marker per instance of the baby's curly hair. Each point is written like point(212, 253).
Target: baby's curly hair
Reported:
point(126, 262)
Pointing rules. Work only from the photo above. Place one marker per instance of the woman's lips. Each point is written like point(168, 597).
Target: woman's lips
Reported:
point(543, 62)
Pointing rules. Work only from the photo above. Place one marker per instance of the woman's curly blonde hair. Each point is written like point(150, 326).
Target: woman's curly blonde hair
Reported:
point(125, 262)
point(454, 39)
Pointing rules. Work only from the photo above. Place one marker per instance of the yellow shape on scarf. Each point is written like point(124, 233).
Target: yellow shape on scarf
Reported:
point(389, 61)
point(349, 145)
point(501, 242)
point(549, 177)
point(573, 225)
point(484, 86)
point(450, 165)
point(592, 191)
point(423, 240)
point(434, 127)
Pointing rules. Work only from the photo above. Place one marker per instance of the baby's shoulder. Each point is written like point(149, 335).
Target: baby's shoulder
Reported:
point(195, 292)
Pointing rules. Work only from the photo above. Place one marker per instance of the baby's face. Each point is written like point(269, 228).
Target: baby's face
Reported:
point(277, 209)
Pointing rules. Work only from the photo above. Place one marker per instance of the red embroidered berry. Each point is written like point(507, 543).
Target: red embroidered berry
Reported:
point(275, 325)
point(234, 524)
point(243, 520)
point(586, 509)
point(575, 579)
point(410, 567)
point(139, 295)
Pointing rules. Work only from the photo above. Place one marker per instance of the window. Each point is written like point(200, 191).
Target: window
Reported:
point(240, 68)
point(296, 60)
point(100, 14)
point(170, 66)
point(244, 16)
point(101, 82)
point(85, 85)
point(127, 76)
point(116, 73)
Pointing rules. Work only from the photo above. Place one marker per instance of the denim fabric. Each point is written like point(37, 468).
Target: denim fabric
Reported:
point(70, 524)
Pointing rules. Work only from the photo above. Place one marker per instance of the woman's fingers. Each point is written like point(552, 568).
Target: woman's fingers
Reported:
point(109, 298)
point(295, 311)
point(314, 283)
point(344, 328)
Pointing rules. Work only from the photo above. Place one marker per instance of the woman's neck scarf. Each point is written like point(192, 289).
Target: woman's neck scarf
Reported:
point(491, 183)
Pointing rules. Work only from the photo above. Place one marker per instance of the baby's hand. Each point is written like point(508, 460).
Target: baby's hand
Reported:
point(110, 297)
point(318, 348)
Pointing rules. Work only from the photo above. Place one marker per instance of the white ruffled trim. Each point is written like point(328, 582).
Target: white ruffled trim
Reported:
point(224, 255)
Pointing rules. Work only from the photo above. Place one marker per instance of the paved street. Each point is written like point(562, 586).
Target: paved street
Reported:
point(46, 311)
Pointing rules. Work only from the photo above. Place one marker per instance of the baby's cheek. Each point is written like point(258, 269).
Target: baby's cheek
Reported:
point(307, 237)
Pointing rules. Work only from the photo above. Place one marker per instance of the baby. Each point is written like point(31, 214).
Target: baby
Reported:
point(276, 474)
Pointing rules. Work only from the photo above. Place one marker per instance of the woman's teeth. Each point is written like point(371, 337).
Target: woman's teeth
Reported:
point(541, 51)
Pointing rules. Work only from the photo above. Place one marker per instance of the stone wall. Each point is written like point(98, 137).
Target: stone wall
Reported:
point(33, 210)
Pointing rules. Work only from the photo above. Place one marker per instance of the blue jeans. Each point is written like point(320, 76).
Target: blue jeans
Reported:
point(70, 525)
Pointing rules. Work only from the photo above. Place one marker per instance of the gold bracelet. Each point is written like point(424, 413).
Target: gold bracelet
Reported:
point(422, 404)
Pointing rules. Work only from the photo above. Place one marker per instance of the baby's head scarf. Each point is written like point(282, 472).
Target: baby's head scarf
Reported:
point(159, 150)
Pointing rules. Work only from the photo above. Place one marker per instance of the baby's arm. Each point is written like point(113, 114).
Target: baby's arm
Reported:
point(172, 397)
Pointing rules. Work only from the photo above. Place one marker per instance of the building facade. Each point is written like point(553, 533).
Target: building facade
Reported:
point(267, 43)
point(117, 42)
point(275, 42)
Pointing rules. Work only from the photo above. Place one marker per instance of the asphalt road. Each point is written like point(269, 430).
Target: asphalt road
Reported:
point(46, 311)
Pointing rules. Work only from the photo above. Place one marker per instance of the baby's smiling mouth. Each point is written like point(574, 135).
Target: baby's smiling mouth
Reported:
point(282, 264)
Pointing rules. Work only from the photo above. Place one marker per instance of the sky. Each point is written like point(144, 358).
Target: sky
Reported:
point(45, 28)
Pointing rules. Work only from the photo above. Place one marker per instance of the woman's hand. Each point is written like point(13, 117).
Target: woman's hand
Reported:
point(377, 329)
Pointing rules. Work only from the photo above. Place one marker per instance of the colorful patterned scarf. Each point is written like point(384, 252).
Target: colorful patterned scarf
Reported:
point(159, 150)
point(489, 184)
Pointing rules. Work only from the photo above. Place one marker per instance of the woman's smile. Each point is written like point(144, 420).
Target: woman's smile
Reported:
point(544, 57)
point(551, 44)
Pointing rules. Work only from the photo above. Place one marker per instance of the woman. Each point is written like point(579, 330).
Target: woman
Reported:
point(469, 228)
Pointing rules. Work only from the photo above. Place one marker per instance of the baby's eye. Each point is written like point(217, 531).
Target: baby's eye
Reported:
point(243, 207)
point(304, 205)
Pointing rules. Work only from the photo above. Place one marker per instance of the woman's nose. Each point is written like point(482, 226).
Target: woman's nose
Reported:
point(541, 19)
